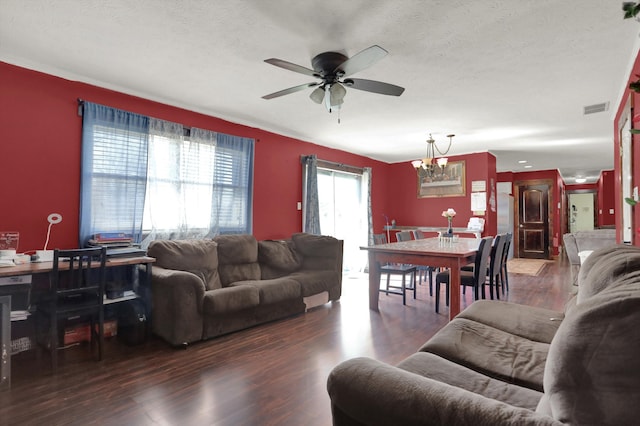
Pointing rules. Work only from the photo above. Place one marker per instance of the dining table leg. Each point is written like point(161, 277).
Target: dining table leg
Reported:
point(374, 281)
point(454, 290)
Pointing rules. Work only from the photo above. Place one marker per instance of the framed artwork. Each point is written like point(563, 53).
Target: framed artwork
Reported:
point(447, 182)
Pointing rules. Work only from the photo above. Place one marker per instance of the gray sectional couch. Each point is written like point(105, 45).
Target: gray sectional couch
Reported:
point(499, 363)
point(204, 288)
point(581, 243)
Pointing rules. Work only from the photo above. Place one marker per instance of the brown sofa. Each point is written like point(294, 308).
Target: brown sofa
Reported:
point(204, 288)
point(499, 363)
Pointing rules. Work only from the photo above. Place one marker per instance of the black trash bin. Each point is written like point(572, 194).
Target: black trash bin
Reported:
point(132, 322)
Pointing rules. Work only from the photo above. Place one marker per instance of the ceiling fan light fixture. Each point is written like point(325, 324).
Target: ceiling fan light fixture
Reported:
point(317, 95)
point(337, 93)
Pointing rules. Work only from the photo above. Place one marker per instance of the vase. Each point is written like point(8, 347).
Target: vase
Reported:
point(450, 230)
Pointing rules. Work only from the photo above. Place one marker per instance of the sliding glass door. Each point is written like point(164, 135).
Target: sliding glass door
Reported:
point(343, 213)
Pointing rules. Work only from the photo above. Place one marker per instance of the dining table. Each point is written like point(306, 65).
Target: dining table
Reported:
point(451, 253)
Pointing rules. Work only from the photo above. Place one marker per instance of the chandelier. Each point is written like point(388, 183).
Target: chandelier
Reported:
point(430, 165)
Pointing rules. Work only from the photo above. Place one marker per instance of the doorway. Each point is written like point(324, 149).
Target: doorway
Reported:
point(582, 209)
point(343, 205)
point(533, 201)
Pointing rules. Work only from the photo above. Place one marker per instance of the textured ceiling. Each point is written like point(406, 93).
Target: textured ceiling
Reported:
point(509, 77)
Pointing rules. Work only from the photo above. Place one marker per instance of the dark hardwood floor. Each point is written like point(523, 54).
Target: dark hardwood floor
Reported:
point(273, 374)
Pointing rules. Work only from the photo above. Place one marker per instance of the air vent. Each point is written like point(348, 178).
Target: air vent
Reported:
point(592, 109)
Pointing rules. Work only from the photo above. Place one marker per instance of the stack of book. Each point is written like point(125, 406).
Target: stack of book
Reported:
point(111, 240)
point(118, 244)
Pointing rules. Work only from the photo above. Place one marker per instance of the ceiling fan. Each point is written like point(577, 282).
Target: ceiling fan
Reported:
point(331, 68)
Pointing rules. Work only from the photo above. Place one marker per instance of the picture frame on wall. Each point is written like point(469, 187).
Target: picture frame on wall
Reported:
point(447, 182)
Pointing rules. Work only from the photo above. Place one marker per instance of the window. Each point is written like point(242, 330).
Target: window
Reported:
point(148, 177)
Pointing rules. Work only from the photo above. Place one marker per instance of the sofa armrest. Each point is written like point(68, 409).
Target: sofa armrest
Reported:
point(364, 391)
point(571, 248)
point(177, 299)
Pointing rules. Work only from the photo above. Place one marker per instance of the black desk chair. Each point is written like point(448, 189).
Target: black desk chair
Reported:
point(475, 278)
point(397, 269)
point(78, 291)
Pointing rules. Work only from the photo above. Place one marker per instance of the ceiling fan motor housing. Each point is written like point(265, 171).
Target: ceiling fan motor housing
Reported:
point(327, 65)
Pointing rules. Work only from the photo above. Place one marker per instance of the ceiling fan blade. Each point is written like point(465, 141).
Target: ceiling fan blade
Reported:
point(374, 86)
point(291, 67)
point(362, 60)
point(289, 90)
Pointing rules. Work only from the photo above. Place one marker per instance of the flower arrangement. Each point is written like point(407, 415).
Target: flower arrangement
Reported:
point(449, 214)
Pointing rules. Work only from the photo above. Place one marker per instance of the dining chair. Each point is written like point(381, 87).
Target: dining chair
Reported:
point(494, 266)
point(423, 270)
point(397, 269)
point(475, 278)
point(496, 259)
point(504, 272)
point(76, 291)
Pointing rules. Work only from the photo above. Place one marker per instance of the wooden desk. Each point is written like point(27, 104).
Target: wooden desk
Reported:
point(46, 267)
point(428, 252)
point(143, 292)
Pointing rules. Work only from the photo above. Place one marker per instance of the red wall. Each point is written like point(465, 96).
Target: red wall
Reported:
point(40, 152)
point(606, 199)
point(40, 148)
point(408, 210)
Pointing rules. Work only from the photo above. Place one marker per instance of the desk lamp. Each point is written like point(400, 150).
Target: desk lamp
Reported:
point(47, 255)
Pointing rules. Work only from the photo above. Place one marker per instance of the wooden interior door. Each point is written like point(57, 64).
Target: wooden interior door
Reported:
point(533, 228)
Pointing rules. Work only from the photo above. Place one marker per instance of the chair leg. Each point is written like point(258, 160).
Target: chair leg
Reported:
point(404, 290)
point(446, 293)
point(388, 280)
point(53, 341)
point(100, 334)
point(437, 297)
point(430, 272)
point(506, 277)
point(415, 285)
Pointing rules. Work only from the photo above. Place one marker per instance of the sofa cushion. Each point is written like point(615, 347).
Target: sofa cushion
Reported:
point(490, 351)
point(537, 324)
point(275, 290)
point(320, 252)
point(238, 258)
point(314, 282)
point(593, 367)
point(200, 257)
point(230, 299)
point(278, 258)
point(437, 368)
point(603, 268)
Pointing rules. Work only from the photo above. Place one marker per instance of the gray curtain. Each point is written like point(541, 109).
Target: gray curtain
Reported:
point(310, 205)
